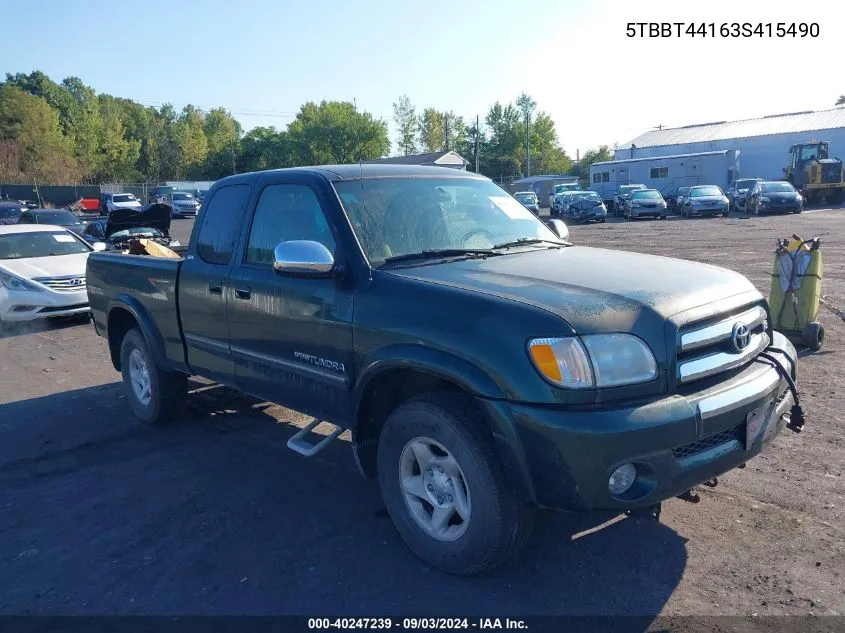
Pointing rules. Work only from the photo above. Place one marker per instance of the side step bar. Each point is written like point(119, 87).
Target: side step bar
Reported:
point(300, 445)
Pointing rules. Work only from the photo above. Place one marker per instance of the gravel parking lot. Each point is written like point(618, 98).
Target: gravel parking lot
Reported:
point(214, 515)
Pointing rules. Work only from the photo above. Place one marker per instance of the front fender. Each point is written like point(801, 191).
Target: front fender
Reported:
point(431, 361)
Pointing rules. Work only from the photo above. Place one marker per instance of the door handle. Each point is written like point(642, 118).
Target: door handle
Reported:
point(215, 287)
point(242, 293)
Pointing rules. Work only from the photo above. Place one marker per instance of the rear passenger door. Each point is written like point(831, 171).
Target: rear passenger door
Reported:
point(291, 336)
point(202, 283)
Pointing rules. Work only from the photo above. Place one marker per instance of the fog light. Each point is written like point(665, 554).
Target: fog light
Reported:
point(622, 479)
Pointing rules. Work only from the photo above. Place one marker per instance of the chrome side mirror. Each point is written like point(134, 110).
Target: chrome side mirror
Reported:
point(302, 257)
point(559, 228)
point(98, 247)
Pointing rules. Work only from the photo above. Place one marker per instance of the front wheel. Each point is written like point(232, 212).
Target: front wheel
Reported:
point(446, 490)
point(156, 396)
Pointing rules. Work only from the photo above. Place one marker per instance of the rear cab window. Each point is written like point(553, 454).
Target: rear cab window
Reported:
point(221, 224)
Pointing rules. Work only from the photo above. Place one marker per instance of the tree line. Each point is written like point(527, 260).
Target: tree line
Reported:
point(65, 133)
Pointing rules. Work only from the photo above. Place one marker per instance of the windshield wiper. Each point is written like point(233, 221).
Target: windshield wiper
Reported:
point(526, 241)
point(441, 253)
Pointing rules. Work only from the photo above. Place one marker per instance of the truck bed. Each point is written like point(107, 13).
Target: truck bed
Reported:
point(143, 284)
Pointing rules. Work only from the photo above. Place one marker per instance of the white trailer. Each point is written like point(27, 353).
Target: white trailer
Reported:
point(666, 173)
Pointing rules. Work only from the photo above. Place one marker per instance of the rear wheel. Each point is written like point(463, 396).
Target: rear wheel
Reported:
point(156, 396)
point(445, 488)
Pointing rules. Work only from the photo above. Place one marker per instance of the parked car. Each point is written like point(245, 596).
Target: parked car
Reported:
point(160, 194)
point(585, 206)
point(559, 190)
point(11, 211)
point(623, 197)
point(123, 226)
point(54, 217)
point(528, 200)
point(561, 204)
point(705, 200)
point(183, 204)
point(738, 191)
point(678, 201)
point(646, 203)
point(42, 273)
point(111, 201)
point(768, 197)
point(352, 294)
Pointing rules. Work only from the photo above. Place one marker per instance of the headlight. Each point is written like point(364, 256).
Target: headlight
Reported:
point(16, 283)
point(175, 243)
point(765, 200)
point(614, 359)
point(635, 205)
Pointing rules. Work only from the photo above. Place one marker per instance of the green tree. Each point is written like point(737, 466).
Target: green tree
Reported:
point(335, 132)
point(431, 130)
point(582, 167)
point(264, 148)
point(191, 144)
point(407, 124)
point(31, 133)
point(222, 133)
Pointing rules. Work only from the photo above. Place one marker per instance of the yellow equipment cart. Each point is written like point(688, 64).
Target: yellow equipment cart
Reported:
point(796, 291)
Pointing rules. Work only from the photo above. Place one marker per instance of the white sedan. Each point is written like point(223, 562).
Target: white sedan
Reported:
point(42, 273)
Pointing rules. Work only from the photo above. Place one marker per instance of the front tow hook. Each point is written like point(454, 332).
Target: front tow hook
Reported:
point(690, 496)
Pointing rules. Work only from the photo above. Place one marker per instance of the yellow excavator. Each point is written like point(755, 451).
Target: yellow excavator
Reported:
point(814, 174)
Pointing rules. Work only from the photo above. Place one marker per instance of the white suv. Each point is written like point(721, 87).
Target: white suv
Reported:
point(112, 201)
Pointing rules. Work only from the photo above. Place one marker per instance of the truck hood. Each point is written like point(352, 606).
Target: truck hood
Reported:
point(154, 215)
point(592, 289)
point(57, 266)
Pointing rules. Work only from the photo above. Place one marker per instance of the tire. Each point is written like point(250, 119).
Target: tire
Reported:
point(814, 336)
point(166, 389)
point(498, 522)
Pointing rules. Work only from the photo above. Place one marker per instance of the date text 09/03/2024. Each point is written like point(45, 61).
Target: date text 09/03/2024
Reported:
point(725, 29)
point(416, 624)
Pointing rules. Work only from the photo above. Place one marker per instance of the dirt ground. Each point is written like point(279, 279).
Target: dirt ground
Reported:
point(214, 515)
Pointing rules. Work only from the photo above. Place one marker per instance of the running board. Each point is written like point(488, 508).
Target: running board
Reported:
point(299, 444)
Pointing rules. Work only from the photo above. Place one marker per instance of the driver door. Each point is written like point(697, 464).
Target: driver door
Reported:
point(291, 336)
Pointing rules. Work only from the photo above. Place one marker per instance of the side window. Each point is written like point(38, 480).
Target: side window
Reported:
point(283, 213)
point(221, 224)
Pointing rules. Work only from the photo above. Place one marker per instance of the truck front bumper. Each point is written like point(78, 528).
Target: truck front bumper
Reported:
point(675, 443)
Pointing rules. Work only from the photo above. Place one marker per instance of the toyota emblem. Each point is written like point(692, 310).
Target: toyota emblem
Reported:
point(740, 337)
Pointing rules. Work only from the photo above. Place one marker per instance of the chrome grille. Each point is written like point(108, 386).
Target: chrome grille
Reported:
point(71, 283)
point(709, 349)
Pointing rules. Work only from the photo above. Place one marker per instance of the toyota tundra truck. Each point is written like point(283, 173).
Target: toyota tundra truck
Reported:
point(484, 365)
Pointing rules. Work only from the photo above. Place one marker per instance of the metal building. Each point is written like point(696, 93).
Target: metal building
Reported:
point(763, 143)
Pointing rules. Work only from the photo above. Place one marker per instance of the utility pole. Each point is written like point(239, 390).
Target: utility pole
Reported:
point(477, 134)
point(527, 144)
point(446, 132)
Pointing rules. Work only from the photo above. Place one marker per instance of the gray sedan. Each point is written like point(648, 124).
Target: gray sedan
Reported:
point(705, 200)
point(647, 203)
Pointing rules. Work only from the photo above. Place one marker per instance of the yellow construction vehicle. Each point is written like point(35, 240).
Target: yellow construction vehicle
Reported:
point(814, 174)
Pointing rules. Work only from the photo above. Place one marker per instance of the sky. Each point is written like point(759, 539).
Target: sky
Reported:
point(262, 59)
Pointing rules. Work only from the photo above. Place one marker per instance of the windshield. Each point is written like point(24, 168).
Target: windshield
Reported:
point(124, 197)
point(770, 187)
point(137, 230)
point(526, 198)
point(683, 191)
point(182, 196)
point(586, 195)
point(645, 195)
point(629, 188)
point(40, 244)
point(569, 187)
point(61, 218)
point(402, 216)
point(697, 192)
point(745, 184)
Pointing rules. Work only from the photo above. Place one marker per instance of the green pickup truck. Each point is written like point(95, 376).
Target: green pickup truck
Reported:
point(484, 366)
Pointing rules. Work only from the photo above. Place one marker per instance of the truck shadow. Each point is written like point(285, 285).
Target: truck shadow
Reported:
point(214, 515)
